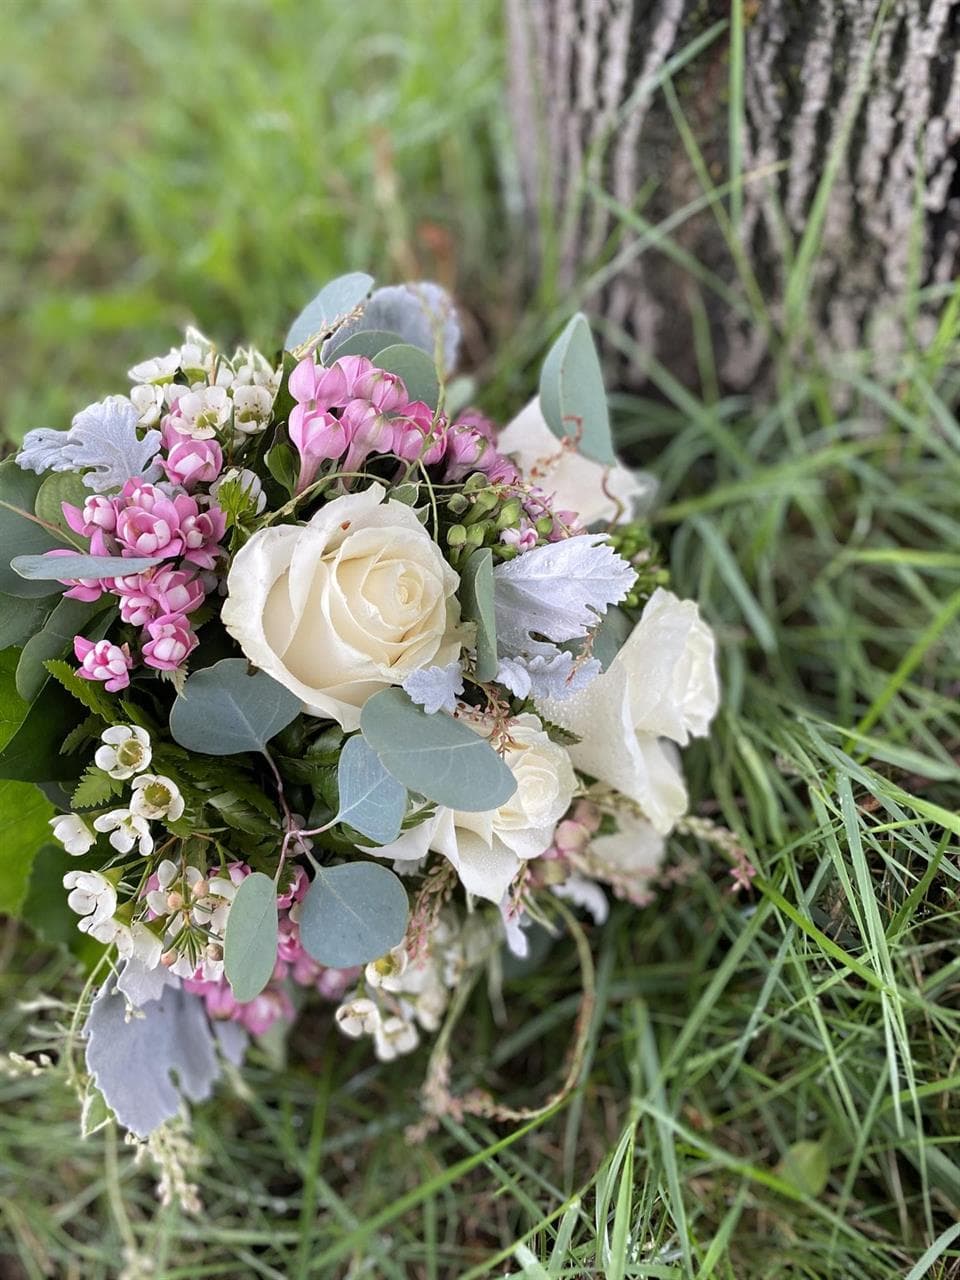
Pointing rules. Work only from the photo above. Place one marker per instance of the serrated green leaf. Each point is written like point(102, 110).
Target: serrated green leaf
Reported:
point(95, 788)
point(436, 756)
point(476, 600)
point(572, 394)
point(250, 944)
point(353, 913)
point(89, 692)
point(239, 813)
point(88, 729)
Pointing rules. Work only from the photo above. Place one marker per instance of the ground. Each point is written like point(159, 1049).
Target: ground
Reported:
point(769, 1087)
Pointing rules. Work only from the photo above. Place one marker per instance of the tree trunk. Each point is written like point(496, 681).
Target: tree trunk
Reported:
point(875, 84)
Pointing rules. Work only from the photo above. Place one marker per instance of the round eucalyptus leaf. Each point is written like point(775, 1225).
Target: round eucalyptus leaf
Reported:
point(371, 800)
point(335, 300)
point(416, 369)
point(572, 394)
point(250, 944)
point(362, 342)
point(476, 597)
point(352, 914)
point(224, 709)
point(435, 755)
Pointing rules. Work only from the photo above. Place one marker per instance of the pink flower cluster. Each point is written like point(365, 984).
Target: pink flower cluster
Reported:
point(293, 964)
point(353, 409)
point(150, 521)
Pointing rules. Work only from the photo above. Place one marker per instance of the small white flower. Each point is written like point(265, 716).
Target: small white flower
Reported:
point(148, 400)
point(126, 750)
point(127, 829)
point(197, 356)
point(155, 797)
point(358, 1017)
point(252, 368)
point(378, 973)
point(91, 896)
point(139, 942)
point(158, 369)
point(252, 407)
point(393, 1037)
point(430, 1006)
point(73, 833)
point(248, 483)
point(204, 412)
point(212, 909)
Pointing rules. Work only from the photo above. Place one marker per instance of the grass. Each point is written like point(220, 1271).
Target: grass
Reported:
point(771, 1081)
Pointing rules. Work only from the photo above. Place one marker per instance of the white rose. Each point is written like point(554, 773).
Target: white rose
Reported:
point(488, 848)
point(577, 483)
point(662, 684)
point(340, 608)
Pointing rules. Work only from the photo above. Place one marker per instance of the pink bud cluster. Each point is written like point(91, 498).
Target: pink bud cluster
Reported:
point(293, 964)
point(353, 409)
point(164, 521)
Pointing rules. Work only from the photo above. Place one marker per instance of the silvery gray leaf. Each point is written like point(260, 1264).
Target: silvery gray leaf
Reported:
point(104, 437)
point(415, 311)
point(435, 688)
point(141, 985)
point(45, 449)
point(132, 1061)
point(547, 677)
point(558, 591)
point(233, 1041)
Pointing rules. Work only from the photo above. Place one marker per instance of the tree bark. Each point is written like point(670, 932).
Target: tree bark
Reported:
point(590, 106)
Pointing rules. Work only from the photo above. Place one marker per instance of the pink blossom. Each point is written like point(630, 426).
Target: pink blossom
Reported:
point(316, 437)
point(385, 391)
point(417, 436)
point(257, 1016)
point(104, 661)
point(148, 522)
point(368, 431)
point(524, 538)
point(147, 596)
point(171, 642)
point(202, 530)
point(480, 423)
point(190, 462)
point(98, 515)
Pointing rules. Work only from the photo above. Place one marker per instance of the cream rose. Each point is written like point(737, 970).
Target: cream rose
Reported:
point(660, 689)
point(489, 848)
point(340, 608)
point(597, 493)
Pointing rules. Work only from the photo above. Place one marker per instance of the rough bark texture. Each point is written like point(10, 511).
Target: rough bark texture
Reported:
point(587, 104)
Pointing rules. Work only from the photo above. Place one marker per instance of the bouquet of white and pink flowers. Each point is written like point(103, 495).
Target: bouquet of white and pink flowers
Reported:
point(334, 687)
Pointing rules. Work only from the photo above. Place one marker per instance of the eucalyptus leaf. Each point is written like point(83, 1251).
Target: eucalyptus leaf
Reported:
point(224, 709)
point(352, 914)
point(416, 369)
point(572, 394)
point(250, 944)
point(78, 565)
point(371, 800)
point(416, 314)
point(611, 635)
point(362, 342)
point(334, 301)
point(476, 600)
point(20, 534)
point(58, 488)
point(435, 755)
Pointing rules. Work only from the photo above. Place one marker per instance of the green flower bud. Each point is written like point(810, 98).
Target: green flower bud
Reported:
point(456, 535)
point(510, 514)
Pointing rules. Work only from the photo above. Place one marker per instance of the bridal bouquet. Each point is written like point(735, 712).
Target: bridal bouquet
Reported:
point(332, 686)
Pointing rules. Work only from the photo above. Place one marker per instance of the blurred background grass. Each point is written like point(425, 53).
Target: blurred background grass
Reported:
point(771, 1081)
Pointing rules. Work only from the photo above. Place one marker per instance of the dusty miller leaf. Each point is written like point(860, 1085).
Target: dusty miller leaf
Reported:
point(543, 677)
point(104, 438)
point(558, 591)
point(435, 688)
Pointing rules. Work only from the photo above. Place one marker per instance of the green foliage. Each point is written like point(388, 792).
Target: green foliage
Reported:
point(31, 735)
point(371, 801)
point(250, 944)
point(20, 534)
point(95, 789)
point(476, 600)
point(24, 815)
point(56, 488)
point(93, 697)
point(55, 638)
